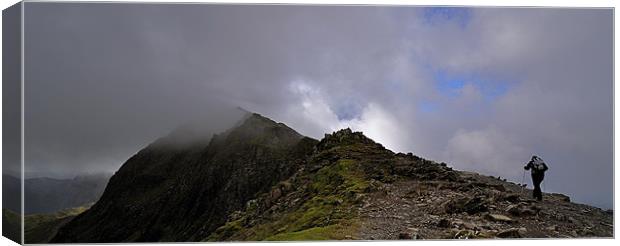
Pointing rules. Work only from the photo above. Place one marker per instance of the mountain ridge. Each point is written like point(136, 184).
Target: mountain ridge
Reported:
point(195, 182)
point(261, 180)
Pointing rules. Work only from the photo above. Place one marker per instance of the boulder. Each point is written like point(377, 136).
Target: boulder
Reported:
point(275, 194)
point(487, 234)
point(465, 234)
point(519, 210)
point(511, 197)
point(410, 233)
point(444, 223)
point(404, 235)
point(466, 205)
point(499, 218)
point(562, 197)
point(470, 226)
point(512, 233)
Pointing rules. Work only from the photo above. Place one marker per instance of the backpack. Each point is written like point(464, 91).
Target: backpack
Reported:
point(538, 164)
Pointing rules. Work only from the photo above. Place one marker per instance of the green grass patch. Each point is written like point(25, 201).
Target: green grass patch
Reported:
point(344, 175)
point(326, 214)
point(331, 232)
point(40, 228)
point(11, 225)
point(34, 220)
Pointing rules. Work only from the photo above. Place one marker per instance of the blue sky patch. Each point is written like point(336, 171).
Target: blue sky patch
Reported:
point(427, 106)
point(348, 109)
point(435, 15)
point(450, 85)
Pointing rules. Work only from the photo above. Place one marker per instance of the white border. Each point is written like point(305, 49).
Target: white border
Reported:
point(539, 3)
point(501, 3)
point(22, 149)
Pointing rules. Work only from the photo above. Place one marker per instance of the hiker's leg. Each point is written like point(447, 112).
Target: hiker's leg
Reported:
point(535, 186)
point(541, 178)
point(536, 182)
point(537, 178)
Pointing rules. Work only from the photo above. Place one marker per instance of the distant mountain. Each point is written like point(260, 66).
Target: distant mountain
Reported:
point(261, 180)
point(45, 195)
point(48, 195)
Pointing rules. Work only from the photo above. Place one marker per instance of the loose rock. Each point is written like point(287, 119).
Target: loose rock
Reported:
point(499, 218)
point(512, 233)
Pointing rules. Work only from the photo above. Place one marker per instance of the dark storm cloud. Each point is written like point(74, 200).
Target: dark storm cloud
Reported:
point(104, 80)
point(11, 90)
point(108, 78)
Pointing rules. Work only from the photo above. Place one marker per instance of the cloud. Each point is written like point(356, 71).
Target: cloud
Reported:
point(107, 79)
point(488, 151)
point(554, 63)
point(319, 118)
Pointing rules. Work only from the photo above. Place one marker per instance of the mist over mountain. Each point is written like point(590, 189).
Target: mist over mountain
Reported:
point(261, 180)
point(456, 84)
point(196, 184)
point(47, 195)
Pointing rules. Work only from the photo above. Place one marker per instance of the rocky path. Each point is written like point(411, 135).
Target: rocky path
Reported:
point(475, 206)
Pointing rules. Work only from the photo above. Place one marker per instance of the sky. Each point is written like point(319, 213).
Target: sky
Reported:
point(482, 89)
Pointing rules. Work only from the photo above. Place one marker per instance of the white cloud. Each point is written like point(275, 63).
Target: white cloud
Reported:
point(382, 126)
point(306, 65)
point(488, 151)
point(312, 113)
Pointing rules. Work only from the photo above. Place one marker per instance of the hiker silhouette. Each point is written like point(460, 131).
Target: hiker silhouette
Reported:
point(538, 167)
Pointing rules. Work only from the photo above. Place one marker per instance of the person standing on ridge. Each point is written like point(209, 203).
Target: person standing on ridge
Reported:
point(538, 167)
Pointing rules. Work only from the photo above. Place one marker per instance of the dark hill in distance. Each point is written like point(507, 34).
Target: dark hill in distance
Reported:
point(261, 180)
point(49, 195)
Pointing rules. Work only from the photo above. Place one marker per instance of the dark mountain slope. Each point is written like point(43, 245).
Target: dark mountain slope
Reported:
point(167, 193)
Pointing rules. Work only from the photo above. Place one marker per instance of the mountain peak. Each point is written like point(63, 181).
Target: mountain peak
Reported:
point(257, 127)
point(343, 137)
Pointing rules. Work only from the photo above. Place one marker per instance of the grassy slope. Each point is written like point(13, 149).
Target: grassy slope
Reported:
point(11, 227)
point(40, 228)
point(326, 215)
point(328, 203)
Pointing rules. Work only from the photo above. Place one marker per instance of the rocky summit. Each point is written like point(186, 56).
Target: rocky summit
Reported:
point(261, 180)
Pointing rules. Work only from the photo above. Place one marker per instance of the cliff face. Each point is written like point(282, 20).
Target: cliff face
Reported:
point(165, 193)
point(263, 181)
